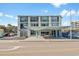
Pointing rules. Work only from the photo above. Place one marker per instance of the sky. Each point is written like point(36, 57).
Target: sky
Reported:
point(10, 11)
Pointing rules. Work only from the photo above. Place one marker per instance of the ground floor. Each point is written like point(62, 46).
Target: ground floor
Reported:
point(53, 33)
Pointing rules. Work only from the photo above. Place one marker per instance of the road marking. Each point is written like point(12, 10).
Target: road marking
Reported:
point(11, 49)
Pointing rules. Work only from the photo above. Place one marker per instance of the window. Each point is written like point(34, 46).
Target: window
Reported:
point(23, 25)
point(44, 19)
point(58, 24)
point(55, 24)
point(34, 24)
point(33, 32)
point(54, 19)
point(44, 33)
point(24, 19)
point(34, 18)
point(57, 20)
point(44, 24)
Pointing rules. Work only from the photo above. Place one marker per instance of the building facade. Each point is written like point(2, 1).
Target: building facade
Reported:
point(75, 25)
point(39, 26)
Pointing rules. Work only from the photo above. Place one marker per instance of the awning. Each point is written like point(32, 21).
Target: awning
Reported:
point(44, 28)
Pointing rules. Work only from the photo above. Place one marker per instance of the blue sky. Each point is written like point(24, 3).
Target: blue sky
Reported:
point(10, 11)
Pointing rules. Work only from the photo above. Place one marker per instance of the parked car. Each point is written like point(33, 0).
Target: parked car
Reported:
point(75, 35)
point(65, 34)
point(6, 34)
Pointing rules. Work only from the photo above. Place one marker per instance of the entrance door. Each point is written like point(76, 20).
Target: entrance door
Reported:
point(53, 33)
point(33, 33)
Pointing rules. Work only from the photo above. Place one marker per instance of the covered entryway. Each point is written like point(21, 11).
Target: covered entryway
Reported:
point(45, 32)
point(35, 33)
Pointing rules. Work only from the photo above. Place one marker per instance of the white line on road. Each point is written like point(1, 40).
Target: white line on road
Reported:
point(11, 49)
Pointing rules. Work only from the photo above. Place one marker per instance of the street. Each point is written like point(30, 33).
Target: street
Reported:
point(39, 48)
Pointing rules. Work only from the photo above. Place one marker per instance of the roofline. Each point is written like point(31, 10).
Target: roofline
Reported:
point(41, 15)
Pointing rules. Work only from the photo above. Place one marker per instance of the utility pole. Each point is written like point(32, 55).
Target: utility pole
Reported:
point(70, 25)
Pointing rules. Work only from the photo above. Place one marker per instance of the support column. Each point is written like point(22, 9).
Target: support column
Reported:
point(49, 21)
point(56, 34)
point(37, 34)
point(39, 20)
point(18, 31)
point(28, 34)
point(60, 33)
point(28, 21)
point(28, 30)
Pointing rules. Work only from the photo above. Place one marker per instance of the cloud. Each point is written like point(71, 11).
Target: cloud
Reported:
point(77, 12)
point(16, 18)
point(57, 5)
point(64, 12)
point(72, 12)
point(68, 12)
point(1, 14)
point(4, 15)
point(9, 16)
point(0, 20)
point(45, 11)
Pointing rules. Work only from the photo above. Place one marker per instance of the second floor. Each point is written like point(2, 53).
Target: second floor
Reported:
point(39, 21)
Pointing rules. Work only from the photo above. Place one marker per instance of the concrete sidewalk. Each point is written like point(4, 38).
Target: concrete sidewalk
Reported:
point(22, 39)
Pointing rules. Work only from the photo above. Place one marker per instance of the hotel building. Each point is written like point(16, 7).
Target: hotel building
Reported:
point(39, 26)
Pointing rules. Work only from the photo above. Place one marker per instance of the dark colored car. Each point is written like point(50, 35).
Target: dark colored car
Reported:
point(75, 35)
point(6, 34)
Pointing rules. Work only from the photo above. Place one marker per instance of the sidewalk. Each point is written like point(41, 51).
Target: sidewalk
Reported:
point(43, 39)
point(22, 39)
